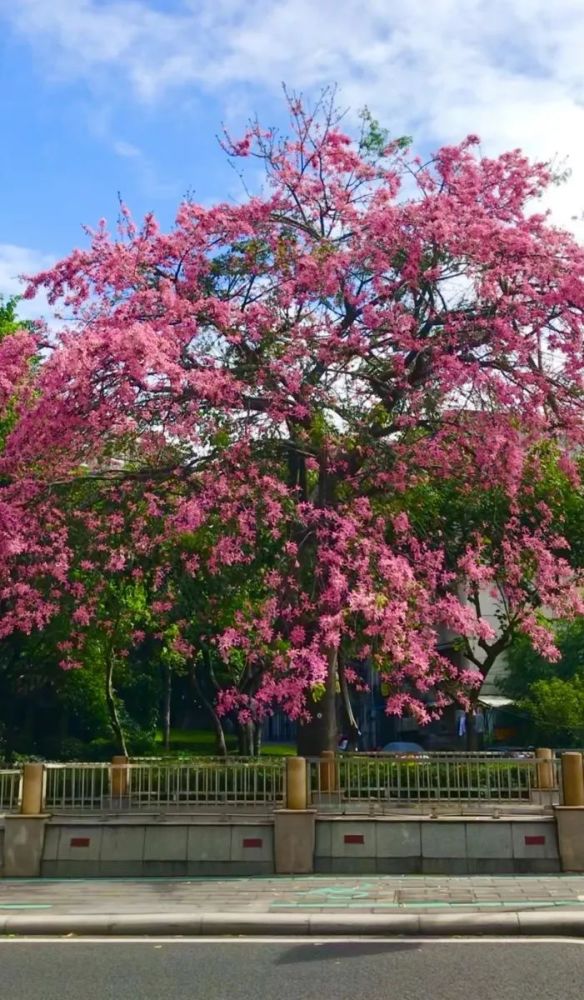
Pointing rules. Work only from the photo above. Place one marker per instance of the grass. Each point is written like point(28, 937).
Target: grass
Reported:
point(201, 743)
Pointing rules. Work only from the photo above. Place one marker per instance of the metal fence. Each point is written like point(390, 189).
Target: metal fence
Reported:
point(10, 789)
point(385, 782)
point(78, 787)
point(345, 782)
point(165, 786)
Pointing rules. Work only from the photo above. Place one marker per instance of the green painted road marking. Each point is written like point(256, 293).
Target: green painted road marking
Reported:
point(26, 906)
point(339, 890)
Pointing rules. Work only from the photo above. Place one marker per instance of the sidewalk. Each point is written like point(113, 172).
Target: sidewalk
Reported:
point(308, 904)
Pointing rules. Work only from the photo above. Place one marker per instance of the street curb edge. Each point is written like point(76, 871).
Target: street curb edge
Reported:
point(558, 923)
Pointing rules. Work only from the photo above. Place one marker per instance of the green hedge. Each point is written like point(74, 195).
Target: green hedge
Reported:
point(430, 779)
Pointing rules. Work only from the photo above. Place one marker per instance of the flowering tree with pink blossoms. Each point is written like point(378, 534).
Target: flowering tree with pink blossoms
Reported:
point(278, 381)
point(17, 350)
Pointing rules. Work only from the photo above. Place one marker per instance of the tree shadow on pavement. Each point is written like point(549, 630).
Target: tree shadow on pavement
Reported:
point(316, 952)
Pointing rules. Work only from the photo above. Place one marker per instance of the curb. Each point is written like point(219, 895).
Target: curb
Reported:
point(559, 923)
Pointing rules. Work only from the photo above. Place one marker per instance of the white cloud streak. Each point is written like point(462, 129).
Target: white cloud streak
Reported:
point(16, 261)
point(509, 70)
point(126, 150)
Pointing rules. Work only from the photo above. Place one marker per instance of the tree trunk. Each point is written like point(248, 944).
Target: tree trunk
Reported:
point(220, 742)
point(257, 739)
point(112, 708)
point(167, 705)
point(245, 737)
point(352, 728)
point(321, 733)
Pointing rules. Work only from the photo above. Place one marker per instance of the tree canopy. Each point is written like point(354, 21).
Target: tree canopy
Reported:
point(268, 394)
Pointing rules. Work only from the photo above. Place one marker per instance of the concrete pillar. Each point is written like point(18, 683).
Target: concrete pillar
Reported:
point(296, 783)
point(573, 779)
point(294, 840)
point(24, 841)
point(328, 771)
point(120, 773)
point(570, 821)
point(545, 768)
point(33, 789)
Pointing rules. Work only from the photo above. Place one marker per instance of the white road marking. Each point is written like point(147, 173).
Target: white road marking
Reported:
point(303, 939)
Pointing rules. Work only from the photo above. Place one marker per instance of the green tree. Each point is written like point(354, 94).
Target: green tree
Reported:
point(556, 707)
point(206, 608)
point(550, 693)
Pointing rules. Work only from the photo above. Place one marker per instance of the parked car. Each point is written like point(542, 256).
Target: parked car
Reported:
point(403, 747)
point(519, 753)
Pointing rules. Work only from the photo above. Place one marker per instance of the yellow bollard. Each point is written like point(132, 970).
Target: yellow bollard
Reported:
point(120, 774)
point(573, 779)
point(295, 783)
point(33, 781)
point(328, 771)
point(545, 768)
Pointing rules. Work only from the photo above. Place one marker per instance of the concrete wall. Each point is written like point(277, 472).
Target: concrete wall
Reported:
point(134, 847)
point(141, 846)
point(481, 846)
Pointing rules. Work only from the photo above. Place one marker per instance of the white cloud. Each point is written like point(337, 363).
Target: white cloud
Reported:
point(126, 150)
point(101, 123)
point(16, 261)
point(510, 70)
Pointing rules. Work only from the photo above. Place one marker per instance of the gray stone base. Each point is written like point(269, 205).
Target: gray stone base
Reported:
point(426, 846)
point(138, 847)
point(294, 839)
point(436, 866)
point(154, 869)
point(570, 820)
point(547, 798)
point(24, 839)
point(292, 842)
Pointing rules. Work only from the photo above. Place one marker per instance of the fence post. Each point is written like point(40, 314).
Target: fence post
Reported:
point(545, 768)
point(33, 793)
point(328, 771)
point(24, 832)
point(120, 774)
point(295, 783)
point(570, 815)
point(295, 826)
point(573, 779)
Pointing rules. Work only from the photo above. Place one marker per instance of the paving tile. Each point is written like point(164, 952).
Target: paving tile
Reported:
point(327, 894)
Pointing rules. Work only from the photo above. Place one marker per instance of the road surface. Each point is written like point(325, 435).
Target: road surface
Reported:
point(159, 969)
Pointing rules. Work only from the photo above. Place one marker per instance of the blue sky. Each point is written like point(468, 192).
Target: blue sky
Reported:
point(101, 96)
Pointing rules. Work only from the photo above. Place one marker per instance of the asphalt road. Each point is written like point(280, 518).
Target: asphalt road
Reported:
point(291, 970)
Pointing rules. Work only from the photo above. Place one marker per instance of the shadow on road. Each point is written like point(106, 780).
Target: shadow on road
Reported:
point(342, 950)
